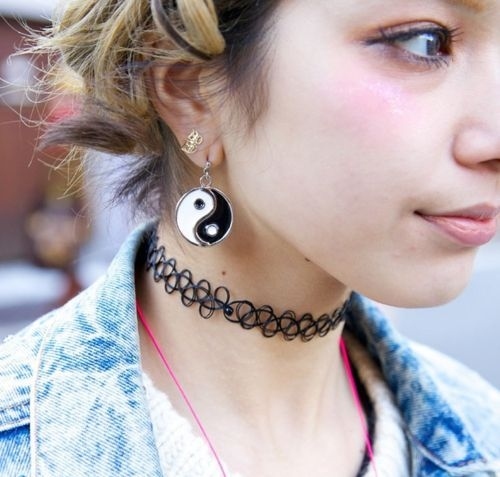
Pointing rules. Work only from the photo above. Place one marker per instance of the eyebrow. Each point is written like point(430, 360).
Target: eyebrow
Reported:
point(476, 5)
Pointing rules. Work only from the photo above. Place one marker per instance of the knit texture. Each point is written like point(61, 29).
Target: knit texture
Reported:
point(390, 446)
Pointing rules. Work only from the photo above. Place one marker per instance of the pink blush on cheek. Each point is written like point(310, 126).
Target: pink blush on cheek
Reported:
point(372, 107)
point(388, 95)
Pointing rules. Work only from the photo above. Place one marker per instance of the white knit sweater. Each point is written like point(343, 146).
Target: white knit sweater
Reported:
point(183, 454)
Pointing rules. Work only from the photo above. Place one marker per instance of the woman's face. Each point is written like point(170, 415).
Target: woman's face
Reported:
point(378, 155)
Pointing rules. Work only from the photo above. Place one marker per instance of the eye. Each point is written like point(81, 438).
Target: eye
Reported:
point(428, 44)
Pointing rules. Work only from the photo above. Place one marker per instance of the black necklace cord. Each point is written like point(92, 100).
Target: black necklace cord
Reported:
point(244, 312)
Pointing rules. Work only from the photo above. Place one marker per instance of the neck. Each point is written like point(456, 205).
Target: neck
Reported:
point(261, 269)
point(212, 299)
point(290, 397)
point(301, 372)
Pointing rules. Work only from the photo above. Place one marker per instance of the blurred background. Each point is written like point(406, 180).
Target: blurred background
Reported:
point(52, 245)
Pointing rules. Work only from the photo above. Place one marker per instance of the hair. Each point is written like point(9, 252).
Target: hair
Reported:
point(99, 53)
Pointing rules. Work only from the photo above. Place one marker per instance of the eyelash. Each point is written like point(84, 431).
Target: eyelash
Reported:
point(392, 36)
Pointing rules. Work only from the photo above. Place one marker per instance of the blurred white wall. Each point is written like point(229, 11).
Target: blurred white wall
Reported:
point(31, 9)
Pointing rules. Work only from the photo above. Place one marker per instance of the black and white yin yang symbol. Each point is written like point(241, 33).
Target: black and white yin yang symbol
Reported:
point(204, 216)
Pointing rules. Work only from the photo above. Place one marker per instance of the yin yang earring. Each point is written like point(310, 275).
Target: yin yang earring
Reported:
point(204, 215)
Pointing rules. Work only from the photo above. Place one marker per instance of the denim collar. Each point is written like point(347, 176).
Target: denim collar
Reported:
point(452, 416)
point(89, 376)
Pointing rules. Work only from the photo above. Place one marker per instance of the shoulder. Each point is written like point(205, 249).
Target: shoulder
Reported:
point(468, 425)
point(18, 357)
point(65, 343)
point(476, 400)
point(415, 365)
point(65, 360)
point(92, 313)
point(452, 415)
point(21, 354)
point(59, 335)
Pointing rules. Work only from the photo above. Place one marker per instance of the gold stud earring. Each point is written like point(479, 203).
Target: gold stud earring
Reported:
point(192, 142)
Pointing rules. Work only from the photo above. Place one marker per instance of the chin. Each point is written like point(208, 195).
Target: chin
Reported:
point(434, 297)
point(421, 294)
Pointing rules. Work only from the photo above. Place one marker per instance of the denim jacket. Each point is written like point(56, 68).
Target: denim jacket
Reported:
point(72, 401)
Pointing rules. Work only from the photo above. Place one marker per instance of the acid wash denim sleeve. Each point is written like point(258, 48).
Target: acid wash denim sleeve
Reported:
point(72, 403)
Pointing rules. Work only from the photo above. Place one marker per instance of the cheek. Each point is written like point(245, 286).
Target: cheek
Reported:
point(368, 130)
point(376, 110)
point(373, 129)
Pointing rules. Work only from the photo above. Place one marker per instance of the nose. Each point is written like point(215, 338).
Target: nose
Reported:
point(477, 142)
point(478, 145)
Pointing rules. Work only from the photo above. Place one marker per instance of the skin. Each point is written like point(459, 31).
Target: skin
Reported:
point(357, 140)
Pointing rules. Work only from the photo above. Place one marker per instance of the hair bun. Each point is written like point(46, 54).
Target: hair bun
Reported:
point(194, 26)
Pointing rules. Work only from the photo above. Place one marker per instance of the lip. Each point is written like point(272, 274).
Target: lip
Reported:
point(471, 227)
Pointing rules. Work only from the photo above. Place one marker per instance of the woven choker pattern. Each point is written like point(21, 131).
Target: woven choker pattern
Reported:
point(210, 300)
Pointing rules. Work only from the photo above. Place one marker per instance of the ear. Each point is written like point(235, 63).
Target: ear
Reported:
point(177, 97)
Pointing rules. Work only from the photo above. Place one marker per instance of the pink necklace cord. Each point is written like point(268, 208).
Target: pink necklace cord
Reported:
point(178, 385)
point(357, 402)
point(348, 371)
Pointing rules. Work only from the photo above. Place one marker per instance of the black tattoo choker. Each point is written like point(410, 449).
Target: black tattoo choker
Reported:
point(236, 311)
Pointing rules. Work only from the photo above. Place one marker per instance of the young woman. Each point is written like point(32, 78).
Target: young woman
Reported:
point(294, 157)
